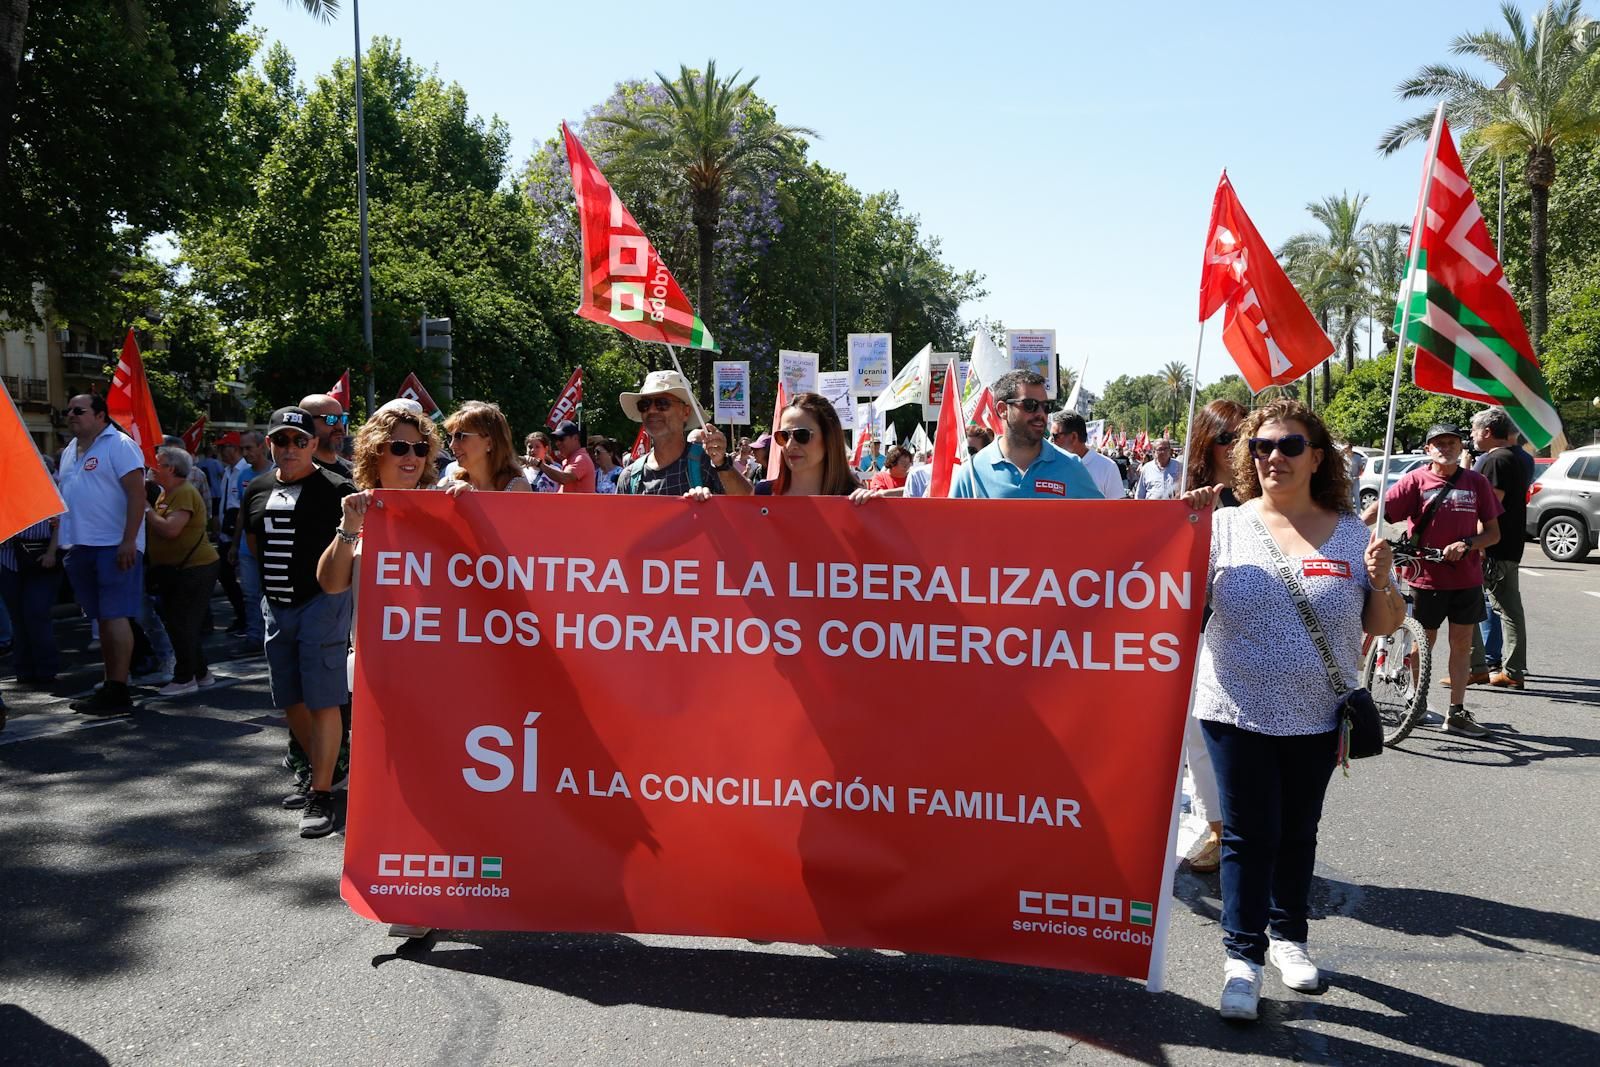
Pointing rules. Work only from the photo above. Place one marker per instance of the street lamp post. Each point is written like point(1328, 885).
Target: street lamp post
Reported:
point(361, 207)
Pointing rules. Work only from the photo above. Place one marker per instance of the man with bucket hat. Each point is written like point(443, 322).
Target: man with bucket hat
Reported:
point(1453, 509)
point(676, 464)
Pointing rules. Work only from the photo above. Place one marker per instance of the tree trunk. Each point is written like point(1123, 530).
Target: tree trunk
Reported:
point(706, 212)
point(1327, 380)
point(13, 21)
point(1541, 175)
point(1349, 338)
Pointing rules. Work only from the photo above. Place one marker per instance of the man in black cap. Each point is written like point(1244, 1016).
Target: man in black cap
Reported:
point(1453, 509)
point(575, 472)
point(290, 514)
point(1507, 468)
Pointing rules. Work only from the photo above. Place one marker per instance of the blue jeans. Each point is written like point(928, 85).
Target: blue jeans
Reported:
point(29, 595)
point(1271, 790)
point(255, 617)
point(1493, 637)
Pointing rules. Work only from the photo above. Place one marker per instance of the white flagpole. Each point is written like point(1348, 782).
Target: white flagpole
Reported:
point(1419, 220)
point(698, 414)
point(1194, 391)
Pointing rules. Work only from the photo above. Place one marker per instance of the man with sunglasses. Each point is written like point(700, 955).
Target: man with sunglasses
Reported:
point(1161, 478)
point(332, 425)
point(290, 515)
point(673, 466)
point(1020, 462)
point(1070, 433)
point(1459, 515)
point(102, 483)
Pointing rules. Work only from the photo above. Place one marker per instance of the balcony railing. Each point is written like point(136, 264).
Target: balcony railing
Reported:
point(13, 385)
point(34, 391)
point(83, 364)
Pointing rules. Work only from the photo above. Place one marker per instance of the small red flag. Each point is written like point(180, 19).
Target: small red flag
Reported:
point(625, 283)
point(194, 436)
point(129, 402)
point(1268, 329)
point(566, 404)
point(411, 389)
point(947, 440)
point(341, 390)
point(30, 494)
point(641, 445)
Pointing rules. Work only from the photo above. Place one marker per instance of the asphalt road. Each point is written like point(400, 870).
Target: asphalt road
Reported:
point(160, 908)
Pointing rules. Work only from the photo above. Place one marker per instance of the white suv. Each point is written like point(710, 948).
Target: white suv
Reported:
point(1374, 475)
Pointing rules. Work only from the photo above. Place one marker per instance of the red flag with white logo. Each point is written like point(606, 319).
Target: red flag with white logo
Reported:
point(1268, 329)
point(625, 283)
point(412, 389)
point(129, 402)
point(641, 446)
point(194, 436)
point(566, 405)
point(947, 440)
point(341, 390)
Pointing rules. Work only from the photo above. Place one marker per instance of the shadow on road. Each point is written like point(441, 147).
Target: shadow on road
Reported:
point(1434, 913)
point(28, 1039)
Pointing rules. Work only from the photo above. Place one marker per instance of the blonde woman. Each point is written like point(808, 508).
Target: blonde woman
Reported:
point(486, 460)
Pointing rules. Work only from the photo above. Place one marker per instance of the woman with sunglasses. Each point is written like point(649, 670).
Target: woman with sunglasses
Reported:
point(486, 460)
point(1211, 440)
point(815, 462)
point(1267, 707)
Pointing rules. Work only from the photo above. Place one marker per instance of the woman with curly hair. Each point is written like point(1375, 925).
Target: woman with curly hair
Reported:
point(486, 459)
point(1264, 697)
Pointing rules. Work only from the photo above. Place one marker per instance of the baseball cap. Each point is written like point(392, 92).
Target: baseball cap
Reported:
point(290, 418)
point(229, 438)
point(1443, 429)
point(567, 428)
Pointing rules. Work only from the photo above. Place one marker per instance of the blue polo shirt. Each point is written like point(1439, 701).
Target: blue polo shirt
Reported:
point(1055, 475)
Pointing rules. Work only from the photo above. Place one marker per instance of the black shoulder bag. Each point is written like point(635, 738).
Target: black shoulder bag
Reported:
point(1360, 731)
point(1411, 543)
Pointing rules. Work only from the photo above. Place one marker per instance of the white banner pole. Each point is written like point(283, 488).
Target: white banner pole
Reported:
point(1194, 391)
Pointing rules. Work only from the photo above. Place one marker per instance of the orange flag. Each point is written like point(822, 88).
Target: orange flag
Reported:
point(775, 450)
point(30, 493)
point(1268, 329)
point(947, 440)
point(129, 402)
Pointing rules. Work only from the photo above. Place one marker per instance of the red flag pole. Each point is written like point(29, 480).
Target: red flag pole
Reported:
point(1417, 222)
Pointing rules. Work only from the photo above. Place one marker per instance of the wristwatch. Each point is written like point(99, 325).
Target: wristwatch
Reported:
point(1468, 542)
point(725, 465)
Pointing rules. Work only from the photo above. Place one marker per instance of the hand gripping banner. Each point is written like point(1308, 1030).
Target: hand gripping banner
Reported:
point(783, 719)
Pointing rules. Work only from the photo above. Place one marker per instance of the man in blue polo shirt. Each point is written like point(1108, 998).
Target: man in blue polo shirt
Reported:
point(1020, 462)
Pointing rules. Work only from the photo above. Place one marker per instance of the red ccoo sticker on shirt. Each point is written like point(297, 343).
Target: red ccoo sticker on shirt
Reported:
point(91, 463)
point(1046, 485)
point(1325, 568)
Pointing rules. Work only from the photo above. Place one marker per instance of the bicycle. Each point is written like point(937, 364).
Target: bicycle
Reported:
point(1395, 667)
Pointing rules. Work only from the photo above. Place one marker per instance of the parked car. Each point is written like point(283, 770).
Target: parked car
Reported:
point(1375, 475)
point(1564, 505)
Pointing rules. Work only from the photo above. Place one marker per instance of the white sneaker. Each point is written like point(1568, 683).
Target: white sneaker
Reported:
point(177, 689)
point(1241, 989)
point(207, 682)
point(160, 676)
point(1294, 966)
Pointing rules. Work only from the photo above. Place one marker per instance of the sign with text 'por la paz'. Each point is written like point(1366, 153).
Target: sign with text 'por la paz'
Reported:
point(779, 718)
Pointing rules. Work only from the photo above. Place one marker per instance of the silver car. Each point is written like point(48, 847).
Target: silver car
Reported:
point(1374, 475)
point(1564, 505)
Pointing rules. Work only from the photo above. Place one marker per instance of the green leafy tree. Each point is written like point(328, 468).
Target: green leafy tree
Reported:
point(707, 139)
point(109, 112)
point(1383, 253)
point(1174, 388)
point(1359, 412)
point(1544, 98)
point(1126, 402)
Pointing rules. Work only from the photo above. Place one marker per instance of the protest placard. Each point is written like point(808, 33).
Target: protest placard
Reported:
point(797, 371)
point(871, 362)
point(1034, 350)
point(732, 377)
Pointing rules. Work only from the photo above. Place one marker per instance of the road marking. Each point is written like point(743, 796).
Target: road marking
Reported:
point(1591, 592)
point(1536, 574)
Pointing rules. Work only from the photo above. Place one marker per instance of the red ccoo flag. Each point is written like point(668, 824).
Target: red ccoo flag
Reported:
point(566, 404)
point(625, 284)
point(1268, 329)
point(129, 402)
point(641, 446)
point(412, 389)
point(194, 436)
point(947, 439)
point(341, 390)
point(30, 494)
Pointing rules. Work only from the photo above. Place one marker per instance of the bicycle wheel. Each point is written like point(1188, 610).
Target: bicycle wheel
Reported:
point(1395, 671)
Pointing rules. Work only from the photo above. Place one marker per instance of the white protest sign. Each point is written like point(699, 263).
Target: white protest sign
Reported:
point(835, 385)
point(797, 371)
point(1034, 350)
point(733, 391)
point(871, 362)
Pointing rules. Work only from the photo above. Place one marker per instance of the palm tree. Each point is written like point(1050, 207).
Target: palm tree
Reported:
point(1330, 269)
point(1383, 249)
point(1174, 386)
point(711, 135)
point(916, 291)
point(1545, 97)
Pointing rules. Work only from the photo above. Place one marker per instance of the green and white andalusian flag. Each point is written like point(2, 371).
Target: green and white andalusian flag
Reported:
point(1469, 334)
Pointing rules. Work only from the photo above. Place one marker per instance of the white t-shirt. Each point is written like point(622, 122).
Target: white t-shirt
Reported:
point(1159, 483)
point(1259, 669)
point(230, 487)
point(91, 487)
point(1107, 477)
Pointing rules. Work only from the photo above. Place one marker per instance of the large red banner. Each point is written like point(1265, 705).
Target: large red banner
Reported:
point(936, 726)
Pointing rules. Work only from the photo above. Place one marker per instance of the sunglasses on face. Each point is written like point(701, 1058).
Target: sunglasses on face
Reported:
point(298, 440)
point(416, 448)
point(333, 420)
point(1226, 437)
point(1029, 405)
point(801, 435)
point(1291, 445)
point(660, 403)
point(79, 411)
point(458, 435)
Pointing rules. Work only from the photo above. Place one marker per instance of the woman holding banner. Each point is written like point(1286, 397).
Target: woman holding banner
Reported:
point(1265, 698)
point(1211, 440)
point(486, 460)
point(815, 459)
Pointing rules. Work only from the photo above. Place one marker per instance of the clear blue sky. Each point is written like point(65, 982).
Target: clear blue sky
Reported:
point(1068, 154)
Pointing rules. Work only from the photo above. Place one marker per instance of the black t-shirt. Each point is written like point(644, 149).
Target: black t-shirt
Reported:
point(1507, 473)
point(339, 466)
point(292, 524)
